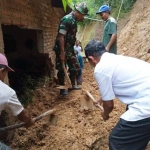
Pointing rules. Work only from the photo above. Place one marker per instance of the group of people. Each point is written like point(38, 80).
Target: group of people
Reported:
point(123, 77)
point(66, 38)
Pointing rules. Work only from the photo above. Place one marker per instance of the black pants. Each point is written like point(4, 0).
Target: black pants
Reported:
point(128, 135)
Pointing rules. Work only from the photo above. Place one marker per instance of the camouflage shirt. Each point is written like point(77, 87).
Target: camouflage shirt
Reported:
point(67, 27)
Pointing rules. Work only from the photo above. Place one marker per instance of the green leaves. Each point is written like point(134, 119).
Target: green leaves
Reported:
point(94, 5)
point(65, 3)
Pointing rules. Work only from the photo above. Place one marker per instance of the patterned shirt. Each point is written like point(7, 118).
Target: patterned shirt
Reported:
point(67, 27)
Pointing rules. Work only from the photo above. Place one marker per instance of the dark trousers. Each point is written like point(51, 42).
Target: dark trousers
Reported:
point(128, 135)
point(4, 147)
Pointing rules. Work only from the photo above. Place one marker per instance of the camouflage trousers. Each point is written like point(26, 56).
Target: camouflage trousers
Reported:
point(79, 78)
point(72, 62)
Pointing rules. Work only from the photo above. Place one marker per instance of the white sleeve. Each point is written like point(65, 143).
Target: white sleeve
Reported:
point(64, 32)
point(105, 86)
point(14, 105)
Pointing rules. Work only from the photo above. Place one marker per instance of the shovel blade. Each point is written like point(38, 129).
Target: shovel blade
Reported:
point(86, 104)
point(53, 119)
point(61, 87)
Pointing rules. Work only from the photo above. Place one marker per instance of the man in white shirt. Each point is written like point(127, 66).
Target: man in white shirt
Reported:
point(127, 79)
point(8, 99)
point(77, 47)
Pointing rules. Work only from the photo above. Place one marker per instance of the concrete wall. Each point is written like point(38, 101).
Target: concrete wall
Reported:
point(32, 14)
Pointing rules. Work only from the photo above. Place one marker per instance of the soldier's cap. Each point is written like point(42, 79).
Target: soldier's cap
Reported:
point(3, 61)
point(103, 8)
point(82, 8)
point(94, 46)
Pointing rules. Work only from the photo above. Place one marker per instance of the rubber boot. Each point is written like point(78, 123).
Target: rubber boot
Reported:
point(63, 92)
point(61, 80)
point(73, 78)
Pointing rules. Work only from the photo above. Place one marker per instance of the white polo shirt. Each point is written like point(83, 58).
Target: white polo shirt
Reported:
point(8, 99)
point(77, 49)
point(128, 79)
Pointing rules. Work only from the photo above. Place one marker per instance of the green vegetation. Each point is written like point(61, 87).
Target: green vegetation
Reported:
point(93, 6)
point(28, 86)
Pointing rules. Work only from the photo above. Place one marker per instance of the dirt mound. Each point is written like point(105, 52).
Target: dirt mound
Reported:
point(75, 129)
point(135, 36)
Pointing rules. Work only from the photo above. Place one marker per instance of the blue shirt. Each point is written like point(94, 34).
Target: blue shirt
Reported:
point(80, 59)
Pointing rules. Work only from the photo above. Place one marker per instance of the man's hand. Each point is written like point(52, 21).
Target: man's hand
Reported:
point(98, 101)
point(30, 123)
point(107, 48)
point(105, 117)
point(25, 117)
point(62, 56)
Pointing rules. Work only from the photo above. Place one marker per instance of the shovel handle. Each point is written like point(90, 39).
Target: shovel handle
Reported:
point(66, 74)
point(22, 124)
point(93, 99)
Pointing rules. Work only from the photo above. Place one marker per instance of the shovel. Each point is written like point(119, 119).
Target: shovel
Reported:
point(93, 99)
point(50, 112)
point(69, 85)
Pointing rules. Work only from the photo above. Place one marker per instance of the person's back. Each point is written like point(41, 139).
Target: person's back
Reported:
point(130, 80)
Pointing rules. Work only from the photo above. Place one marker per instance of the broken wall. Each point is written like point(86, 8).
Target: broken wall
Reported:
point(32, 14)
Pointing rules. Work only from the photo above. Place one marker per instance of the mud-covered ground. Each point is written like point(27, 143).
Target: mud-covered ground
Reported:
point(77, 127)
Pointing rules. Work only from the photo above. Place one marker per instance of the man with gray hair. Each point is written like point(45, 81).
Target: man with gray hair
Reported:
point(127, 79)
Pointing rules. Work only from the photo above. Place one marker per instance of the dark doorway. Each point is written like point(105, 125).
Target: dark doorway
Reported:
point(22, 48)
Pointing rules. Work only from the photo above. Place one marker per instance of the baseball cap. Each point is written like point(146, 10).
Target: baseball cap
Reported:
point(82, 8)
point(3, 61)
point(94, 46)
point(103, 8)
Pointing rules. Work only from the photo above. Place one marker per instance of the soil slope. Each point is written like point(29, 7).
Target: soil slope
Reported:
point(134, 39)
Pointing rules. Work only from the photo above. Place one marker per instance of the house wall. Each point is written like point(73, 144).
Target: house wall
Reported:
point(32, 14)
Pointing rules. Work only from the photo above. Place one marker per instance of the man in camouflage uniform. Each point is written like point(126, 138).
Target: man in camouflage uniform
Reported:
point(64, 43)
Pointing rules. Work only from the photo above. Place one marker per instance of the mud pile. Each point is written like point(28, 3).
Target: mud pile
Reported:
point(76, 129)
point(134, 38)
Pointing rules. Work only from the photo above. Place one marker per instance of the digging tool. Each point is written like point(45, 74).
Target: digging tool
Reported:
point(86, 104)
point(93, 99)
point(69, 85)
point(50, 112)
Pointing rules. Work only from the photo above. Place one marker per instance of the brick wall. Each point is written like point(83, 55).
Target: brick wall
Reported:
point(32, 14)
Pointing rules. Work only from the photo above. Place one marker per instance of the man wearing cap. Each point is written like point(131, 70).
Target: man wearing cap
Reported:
point(110, 29)
point(8, 99)
point(127, 79)
point(64, 44)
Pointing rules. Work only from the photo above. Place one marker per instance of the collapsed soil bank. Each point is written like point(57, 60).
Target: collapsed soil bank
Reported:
point(75, 129)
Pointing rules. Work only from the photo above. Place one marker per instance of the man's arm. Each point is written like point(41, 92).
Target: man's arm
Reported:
point(24, 116)
point(62, 46)
point(17, 109)
point(112, 40)
point(108, 107)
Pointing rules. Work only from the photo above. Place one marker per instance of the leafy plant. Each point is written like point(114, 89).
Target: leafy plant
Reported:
point(29, 84)
point(94, 5)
